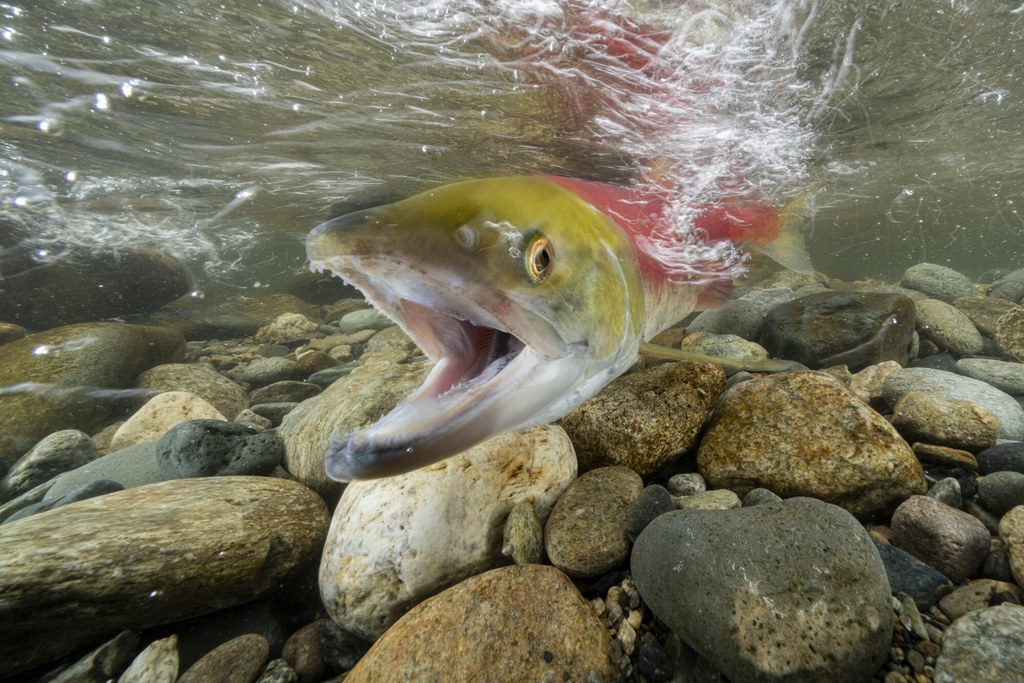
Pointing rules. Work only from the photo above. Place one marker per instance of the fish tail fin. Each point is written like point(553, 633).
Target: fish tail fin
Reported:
point(787, 248)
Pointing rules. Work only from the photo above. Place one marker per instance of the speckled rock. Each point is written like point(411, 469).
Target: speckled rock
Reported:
point(264, 371)
point(395, 541)
point(837, 328)
point(760, 497)
point(947, 327)
point(1007, 411)
point(353, 401)
point(1000, 492)
point(938, 282)
point(728, 346)
point(909, 575)
point(686, 484)
point(586, 533)
point(200, 379)
point(158, 663)
point(805, 434)
point(518, 623)
point(1003, 375)
point(287, 326)
point(69, 370)
point(523, 538)
point(1011, 530)
point(10, 332)
point(984, 311)
point(59, 452)
point(767, 298)
point(288, 391)
point(977, 594)
point(1010, 333)
point(719, 499)
point(237, 661)
point(986, 645)
point(159, 414)
point(798, 592)
point(944, 421)
point(645, 419)
point(206, 448)
point(950, 540)
point(1007, 456)
point(867, 384)
point(146, 556)
point(278, 671)
point(944, 456)
point(947, 491)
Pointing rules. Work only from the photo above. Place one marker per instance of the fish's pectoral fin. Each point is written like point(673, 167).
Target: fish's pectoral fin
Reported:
point(767, 365)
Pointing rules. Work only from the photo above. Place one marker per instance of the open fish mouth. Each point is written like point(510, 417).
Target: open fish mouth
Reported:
point(496, 367)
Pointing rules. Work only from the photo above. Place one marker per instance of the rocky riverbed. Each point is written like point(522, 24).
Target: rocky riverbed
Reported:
point(165, 514)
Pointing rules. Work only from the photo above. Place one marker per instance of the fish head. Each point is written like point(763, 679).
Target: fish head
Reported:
point(528, 299)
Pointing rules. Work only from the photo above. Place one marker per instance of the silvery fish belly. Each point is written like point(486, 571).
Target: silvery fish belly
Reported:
point(528, 299)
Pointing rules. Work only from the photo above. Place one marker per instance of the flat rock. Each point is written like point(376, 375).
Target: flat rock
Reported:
point(216, 318)
point(237, 661)
point(950, 540)
point(645, 419)
point(947, 327)
point(1001, 374)
point(841, 328)
point(159, 415)
point(986, 645)
point(395, 541)
point(146, 556)
point(226, 395)
point(805, 434)
point(938, 282)
point(1010, 333)
point(66, 374)
point(518, 623)
point(1011, 530)
point(944, 456)
point(287, 391)
point(999, 403)
point(353, 401)
point(945, 421)
point(797, 593)
point(586, 533)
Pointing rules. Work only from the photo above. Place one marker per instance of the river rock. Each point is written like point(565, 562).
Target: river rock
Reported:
point(353, 401)
point(1009, 286)
point(1000, 492)
point(586, 533)
point(146, 556)
point(976, 595)
point(1007, 411)
point(227, 396)
point(66, 373)
point(938, 282)
point(216, 318)
point(909, 575)
point(841, 328)
point(57, 453)
point(797, 593)
point(986, 645)
point(805, 434)
point(1003, 375)
point(652, 502)
point(364, 319)
point(517, 623)
point(736, 316)
point(950, 540)
point(237, 661)
point(158, 663)
point(395, 541)
point(130, 467)
point(287, 391)
point(104, 663)
point(984, 311)
point(264, 371)
point(90, 489)
point(947, 327)
point(159, 415)
point(645, 419)
point(78, 284)
point(10, 332)
point(945, 421)
point(1011, 530)
point(686, 484)
point(278, 671)
point(303, 652)
point(1006, 456)
point(206, 448)
point(287, 327)
point(523, 538)
point(1010, 333)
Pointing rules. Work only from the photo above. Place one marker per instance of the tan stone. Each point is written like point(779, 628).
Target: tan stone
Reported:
point(1011, 530)
point(945, 421)
point(162, 412)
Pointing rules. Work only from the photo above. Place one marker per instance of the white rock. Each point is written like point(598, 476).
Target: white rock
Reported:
point(394, 542)
point(158, 663)
point(162, 412)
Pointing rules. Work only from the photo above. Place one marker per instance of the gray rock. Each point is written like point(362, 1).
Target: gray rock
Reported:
point(237, 661)
point(947, 327)
point(767, 299)
point(241, 316)
point(985, 645)
point(1004, 457)
point(104, 663)
point(287, 391)
point(585, 535)
point(248, 417)
point(911, 576)
point(798, 592)
point(130, 467)
point(364, 319)
point(72, 378)
point(938, 282)
point(1003, 375)
point(978, 594)
point(1008, 411)
point(950, 540)
point(84, 491)
point(523, 538)
point(328, 376)
point(686, 484)
point(200, 379)
point(148, 556)
point(1000, 492)
point(947, 492)
point(390, 339)
point(737, 317)
point(264, 371)
point(841, 328)
point(759, 497)
point(207, 448)
point(275, 412)
point(278, 671)
point(1009, 286)
point(984, 311)
point(652, 502)
point(1011, 531)
point(340, 649)
point(57, 453)
point(727, 346)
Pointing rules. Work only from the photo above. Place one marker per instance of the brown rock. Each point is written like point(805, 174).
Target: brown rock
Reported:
point(984, 311)
point(945, 421)
point(518, 623)
point(977, 594)
point(805, 434)
point(645, 419)
point(1011, 530)
point(302, 651)
point(158, 663)
point(947, 457)
point(146, 556)
point(237, 661)
point(1010, 333)
point(948, 539)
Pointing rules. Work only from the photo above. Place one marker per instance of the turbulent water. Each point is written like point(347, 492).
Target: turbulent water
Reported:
point(224, 132)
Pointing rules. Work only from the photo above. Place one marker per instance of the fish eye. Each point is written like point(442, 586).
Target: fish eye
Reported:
point(540, 259)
